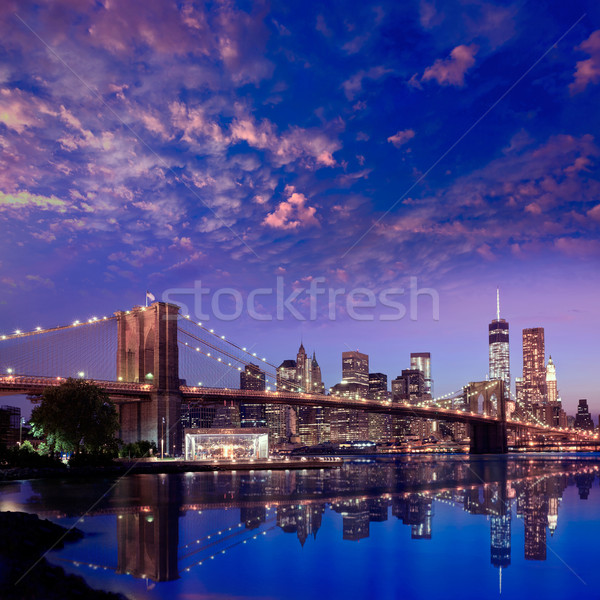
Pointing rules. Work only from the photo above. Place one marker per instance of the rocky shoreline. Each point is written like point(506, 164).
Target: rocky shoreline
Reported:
point(26, 574)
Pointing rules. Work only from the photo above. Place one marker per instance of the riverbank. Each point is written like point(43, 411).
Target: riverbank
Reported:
point(123, 467)
point(25, 572)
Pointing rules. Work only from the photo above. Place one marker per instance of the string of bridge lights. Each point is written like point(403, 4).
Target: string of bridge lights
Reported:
point(224, 551)
point(270, 378)
point(253, 355)
point(18, 333)
point(225, 352)
point(222, 337)
point(273, 377)
point(212, 535)
point(219, 360)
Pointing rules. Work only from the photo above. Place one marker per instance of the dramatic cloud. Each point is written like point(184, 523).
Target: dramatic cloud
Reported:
point(401, 137)
point(314, 146)
point(451, 71)
point(293, 213)
point(587, 71)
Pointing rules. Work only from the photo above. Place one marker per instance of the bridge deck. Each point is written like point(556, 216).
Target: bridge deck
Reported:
point(126, 392)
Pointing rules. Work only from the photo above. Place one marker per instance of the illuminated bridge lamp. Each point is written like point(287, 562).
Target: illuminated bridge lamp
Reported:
point(149, 376)
point(81, 374)
point(9, 371)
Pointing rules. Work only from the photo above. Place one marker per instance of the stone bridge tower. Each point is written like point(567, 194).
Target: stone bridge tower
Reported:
point(488, 438)
point(147, 352)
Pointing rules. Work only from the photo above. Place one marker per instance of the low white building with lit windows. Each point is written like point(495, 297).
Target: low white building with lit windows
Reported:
point(234, 443)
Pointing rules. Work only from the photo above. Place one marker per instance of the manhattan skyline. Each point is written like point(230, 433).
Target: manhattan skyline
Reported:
point(149, 147)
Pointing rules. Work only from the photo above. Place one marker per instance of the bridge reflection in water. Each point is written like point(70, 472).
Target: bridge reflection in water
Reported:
point(156, 543)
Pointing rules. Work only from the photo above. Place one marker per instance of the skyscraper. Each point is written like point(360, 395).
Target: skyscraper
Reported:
point(304, 370)
point(252, 415)
point(252, 378)
point(583, 419)
point(499, 349)
point(355, 368)
point(317, 381)
point(286, 376)
point(551, 386)
point(534, 365)
point(378, 386)
point(422, 362)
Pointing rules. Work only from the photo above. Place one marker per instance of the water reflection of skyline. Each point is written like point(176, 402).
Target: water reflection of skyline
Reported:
point(149, 508)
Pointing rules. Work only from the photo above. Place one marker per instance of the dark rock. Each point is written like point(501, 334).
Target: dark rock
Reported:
point(25, 574)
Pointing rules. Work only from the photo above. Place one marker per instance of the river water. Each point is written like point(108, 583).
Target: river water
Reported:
point(465, 527)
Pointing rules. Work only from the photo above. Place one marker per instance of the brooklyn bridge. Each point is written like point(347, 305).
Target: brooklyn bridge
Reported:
point(152, 359)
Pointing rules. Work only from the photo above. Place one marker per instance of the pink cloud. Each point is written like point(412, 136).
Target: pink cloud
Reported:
point(122, 27)
point(401, 137)
point(353, 86)
point(293, 213)
point(195, 124)
point(587, 71)
point(20, 111)
point(153, 124)
point(578, 247)
point(594, 213)
point(451, 70)
point(309, 145)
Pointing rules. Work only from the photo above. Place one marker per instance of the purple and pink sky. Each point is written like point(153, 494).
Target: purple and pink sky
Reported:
point(152, 144)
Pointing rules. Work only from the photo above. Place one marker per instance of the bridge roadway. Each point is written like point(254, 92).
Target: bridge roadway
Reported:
point(125, 392)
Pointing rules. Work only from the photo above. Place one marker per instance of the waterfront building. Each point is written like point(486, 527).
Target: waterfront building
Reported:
point(422, 362)
point(380, 425)
point(414, 386)
point(499, 360)
point(313, 427)
point(551, 385)
point(278, 423)
point(534, 365)
point(252, 378)
point(301, 375)
point(197, 416)
point(282, 420)
point(378, 387)
point(348, 425)
point(318, 387)
point(304, 370)
point(400, 389)
point(286, 376)
point(583, 419)
point(10, 422)
point(252, 415)
point(355, 368)
point(231, 443)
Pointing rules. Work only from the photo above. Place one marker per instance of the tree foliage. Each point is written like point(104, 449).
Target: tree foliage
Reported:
point(139, 449)
point(26, 456)
point(76, 416)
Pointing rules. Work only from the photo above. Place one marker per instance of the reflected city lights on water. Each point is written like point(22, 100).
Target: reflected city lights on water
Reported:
point(501, 524)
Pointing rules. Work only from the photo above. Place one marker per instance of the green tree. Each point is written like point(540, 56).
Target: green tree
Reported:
point(76, 416)
point(139, 449)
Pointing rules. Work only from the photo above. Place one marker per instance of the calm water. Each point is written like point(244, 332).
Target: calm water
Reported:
point(425, 527)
